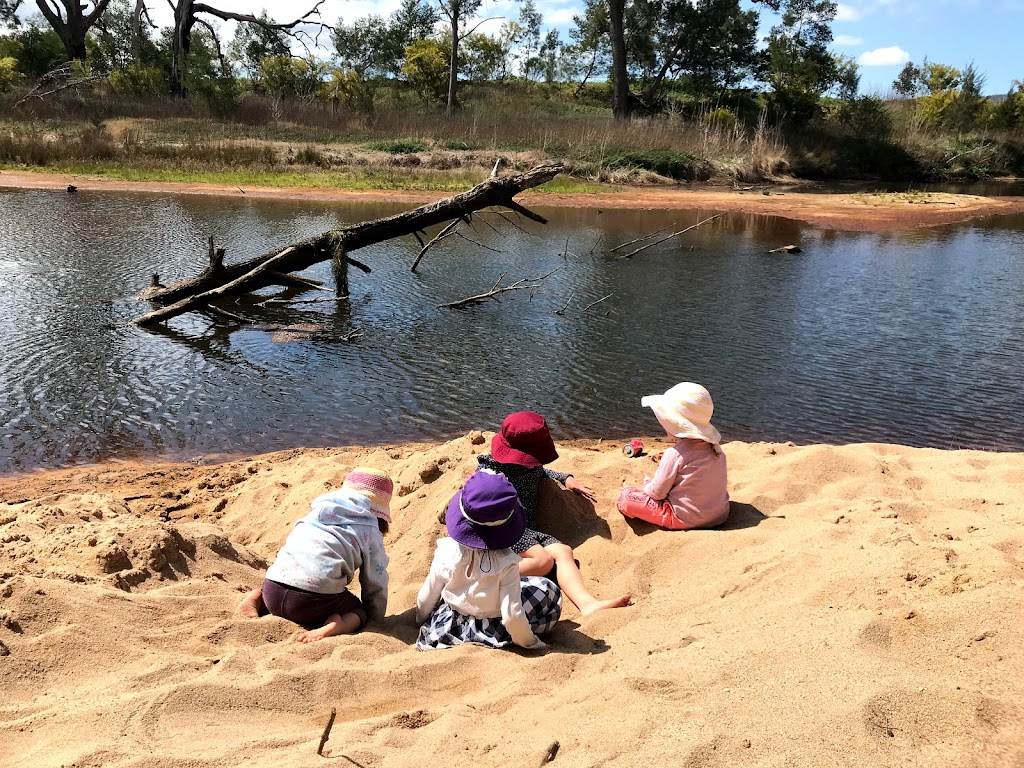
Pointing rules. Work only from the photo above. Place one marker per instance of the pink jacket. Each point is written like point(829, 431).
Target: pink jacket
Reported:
point(692, 478)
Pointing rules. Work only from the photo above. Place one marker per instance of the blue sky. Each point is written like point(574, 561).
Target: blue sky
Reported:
point(880, 34)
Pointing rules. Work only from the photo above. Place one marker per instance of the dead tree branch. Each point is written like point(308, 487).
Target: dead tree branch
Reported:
point(519, 285)
point(631, 254)
point(449, 230)
point(639, 239)
point(593, 303)
point(246, 276)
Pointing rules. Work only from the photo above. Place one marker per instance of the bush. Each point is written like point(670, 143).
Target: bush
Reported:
point(426, 68)
point(723, 117)
point(867, 117)
point(351, 90)
point(398, 146)
point(680, 166)
point(138, 81)
point(8, 73)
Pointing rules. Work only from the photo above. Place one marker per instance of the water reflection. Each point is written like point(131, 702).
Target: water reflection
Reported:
point(907, 337)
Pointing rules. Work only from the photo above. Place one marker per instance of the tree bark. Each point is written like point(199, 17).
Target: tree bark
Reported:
point(247, 276)
point(453, 64)
point(73, 26)
point(620, 73)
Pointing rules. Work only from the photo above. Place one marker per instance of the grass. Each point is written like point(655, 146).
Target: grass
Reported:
point(357, 180)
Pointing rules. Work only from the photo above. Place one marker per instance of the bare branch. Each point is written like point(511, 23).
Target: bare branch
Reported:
point(436, 239)
point(640, 239)
point(597, 302)
point(631, 254)
point(524, 211)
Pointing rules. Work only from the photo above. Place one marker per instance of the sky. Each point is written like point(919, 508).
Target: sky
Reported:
point(881, 35)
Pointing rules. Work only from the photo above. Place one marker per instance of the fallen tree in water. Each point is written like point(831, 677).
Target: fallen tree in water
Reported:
point(218, 280)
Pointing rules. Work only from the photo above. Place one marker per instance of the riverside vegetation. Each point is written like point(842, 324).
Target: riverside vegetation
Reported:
point(381, 113)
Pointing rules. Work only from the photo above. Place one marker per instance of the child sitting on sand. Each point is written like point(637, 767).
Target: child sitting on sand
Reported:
point(344, 533)
point(474, 593)
point(689, 488)
point(519, 452)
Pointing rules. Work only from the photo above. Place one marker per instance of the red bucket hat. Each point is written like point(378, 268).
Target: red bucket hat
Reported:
point(524, 439)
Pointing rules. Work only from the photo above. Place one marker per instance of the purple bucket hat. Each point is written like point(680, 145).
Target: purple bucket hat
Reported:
point(486, 513)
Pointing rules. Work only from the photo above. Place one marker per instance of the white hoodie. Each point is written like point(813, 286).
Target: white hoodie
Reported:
point(326, 547)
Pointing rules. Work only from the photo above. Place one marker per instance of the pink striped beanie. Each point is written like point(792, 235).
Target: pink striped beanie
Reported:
point(374, 485)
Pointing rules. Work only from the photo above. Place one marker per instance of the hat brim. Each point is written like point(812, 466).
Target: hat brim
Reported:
point(676, 424)
point(542, 453)
point(484, 536)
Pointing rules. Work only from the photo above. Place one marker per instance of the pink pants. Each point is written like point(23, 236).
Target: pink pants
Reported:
point(633, 502)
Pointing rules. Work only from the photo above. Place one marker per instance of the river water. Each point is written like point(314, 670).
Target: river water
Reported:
point(914, 338)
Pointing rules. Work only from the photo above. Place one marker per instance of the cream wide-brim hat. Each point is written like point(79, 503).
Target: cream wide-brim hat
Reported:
point(685, 411)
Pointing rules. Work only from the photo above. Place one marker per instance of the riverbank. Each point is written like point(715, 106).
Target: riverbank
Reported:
point(861, 606)
point(859, 211)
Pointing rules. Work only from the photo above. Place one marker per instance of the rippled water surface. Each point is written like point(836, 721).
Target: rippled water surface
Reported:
point(913, 338)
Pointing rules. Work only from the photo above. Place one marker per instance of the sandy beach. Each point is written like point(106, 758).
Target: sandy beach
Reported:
point(862, 607)
point(856, 212)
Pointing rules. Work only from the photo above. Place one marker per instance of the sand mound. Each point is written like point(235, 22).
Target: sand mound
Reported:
point(861, 607)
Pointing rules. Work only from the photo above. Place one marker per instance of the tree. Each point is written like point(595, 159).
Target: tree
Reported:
point(254, 42)
point(72, 20)
point(530, 22)
point(426, 68)
point(801, 68)
point(458, 13)
point(620, 68)
point(36, 49)
point(375, 47)
point(120, 40)
point(186, 16)
point(9, 12)
point(486, 57)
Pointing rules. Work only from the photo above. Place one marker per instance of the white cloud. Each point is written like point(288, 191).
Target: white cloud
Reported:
point(848, 40)
point(847, 13)
point(892, 56)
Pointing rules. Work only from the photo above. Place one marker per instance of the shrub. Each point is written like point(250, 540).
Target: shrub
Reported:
point(426, 68)
point(680, 166)
point(8, 73)
point(138, 81)
point(722, 117)
point(351, 90)
point(867, 117)
point(398, 146)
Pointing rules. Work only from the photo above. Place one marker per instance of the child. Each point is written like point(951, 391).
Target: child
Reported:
point(308, 582)
point(689, 488)
point(475, 576)
point(519, 452)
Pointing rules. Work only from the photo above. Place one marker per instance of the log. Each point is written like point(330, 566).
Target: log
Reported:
point(202, 299)
point(312, 250)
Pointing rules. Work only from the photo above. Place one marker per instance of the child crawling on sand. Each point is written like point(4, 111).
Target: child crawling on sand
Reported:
point(344, 533)
point(519, 452)
point(474, 593)
point(689, 489)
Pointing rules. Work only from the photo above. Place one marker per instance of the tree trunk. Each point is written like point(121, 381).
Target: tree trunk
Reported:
point(253, 274)
point(181, 43)
point(620, 74)
point(453, 64)
point(73, 26)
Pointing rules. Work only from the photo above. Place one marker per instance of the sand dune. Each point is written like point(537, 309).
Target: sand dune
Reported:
point(862, 607)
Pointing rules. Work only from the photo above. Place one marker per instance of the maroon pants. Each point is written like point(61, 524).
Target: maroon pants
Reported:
point(309, 609)
point(633, 502)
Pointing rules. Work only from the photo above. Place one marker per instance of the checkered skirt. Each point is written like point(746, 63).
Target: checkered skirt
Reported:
point(445, 628)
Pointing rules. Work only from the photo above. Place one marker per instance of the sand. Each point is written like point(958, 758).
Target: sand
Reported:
point(861, 608)
point(858, 212)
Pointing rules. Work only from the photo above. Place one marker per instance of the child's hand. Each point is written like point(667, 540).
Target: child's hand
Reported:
point(579, 488)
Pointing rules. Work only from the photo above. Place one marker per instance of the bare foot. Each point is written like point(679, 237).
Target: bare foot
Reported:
point(316, 634)
point(335, 625)
point(249, 607)
point(600, 605)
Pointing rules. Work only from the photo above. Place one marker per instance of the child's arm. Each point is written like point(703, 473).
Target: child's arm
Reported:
point(571, 483)
point(430, 592)
point(373, 577)
point(658, 486)
point(512, 614)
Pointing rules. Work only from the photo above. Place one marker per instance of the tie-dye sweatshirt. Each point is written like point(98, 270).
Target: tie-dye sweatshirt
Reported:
point(326, 547)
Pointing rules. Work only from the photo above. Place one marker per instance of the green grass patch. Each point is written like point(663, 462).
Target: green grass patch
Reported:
point(400, 179)
point(398, 146)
